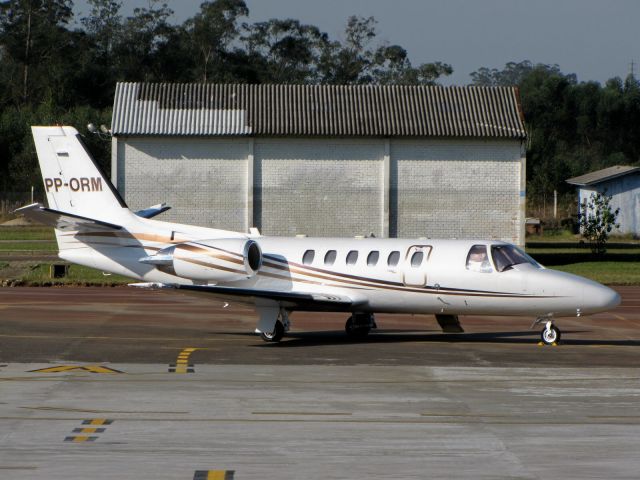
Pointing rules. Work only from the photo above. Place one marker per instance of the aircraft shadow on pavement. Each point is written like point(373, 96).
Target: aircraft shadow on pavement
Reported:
point(526, 337)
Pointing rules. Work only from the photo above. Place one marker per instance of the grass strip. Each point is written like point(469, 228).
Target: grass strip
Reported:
point(608, 273)
point(39, 275)
point(27, 233)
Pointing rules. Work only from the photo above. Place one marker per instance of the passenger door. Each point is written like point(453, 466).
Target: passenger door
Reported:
point(415, 265)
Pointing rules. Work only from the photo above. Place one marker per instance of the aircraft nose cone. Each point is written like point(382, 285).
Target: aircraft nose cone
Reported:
point(600, 298)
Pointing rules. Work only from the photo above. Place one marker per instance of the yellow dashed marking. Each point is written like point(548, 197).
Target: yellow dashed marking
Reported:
point(88, 430)
point(70, 368)
point(97, 421)
point(80, 439)
point(182, 363)
point(214, 475)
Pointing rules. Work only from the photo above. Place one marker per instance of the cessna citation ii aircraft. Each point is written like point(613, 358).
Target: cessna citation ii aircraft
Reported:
point(358, 276)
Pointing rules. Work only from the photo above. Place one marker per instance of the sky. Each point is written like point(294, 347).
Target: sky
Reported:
point(595, 39)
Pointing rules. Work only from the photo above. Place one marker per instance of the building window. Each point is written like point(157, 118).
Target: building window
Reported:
point(416, 259)
point(330, 257)
point(372, 259)
point(393, 259)
point(307, 258)
point(352, 257)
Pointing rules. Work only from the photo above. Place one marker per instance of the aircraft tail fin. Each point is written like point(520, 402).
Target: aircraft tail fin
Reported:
point(73, 181)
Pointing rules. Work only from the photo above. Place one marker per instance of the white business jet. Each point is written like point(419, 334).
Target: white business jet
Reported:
point(278, 275)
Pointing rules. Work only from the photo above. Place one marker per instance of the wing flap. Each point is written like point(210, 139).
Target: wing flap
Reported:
point(294, 300)
point(64, 221)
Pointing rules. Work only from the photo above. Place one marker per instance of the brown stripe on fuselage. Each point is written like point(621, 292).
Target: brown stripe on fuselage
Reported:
point(211, 265)
point(337, 274)
point(209, 253)
point(373, 283)
point(301, 280)
point(388, 285)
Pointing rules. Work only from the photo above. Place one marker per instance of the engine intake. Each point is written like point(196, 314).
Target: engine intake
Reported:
point(220, 260)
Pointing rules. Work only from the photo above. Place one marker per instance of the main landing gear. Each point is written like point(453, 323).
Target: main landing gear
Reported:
point(551, 334)
point(359, 325)
point(280, 327)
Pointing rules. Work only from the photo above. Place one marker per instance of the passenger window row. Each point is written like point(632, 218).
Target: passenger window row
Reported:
point(352, 258)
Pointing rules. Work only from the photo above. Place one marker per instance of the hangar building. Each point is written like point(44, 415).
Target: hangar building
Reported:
point(324, 160)
point(622, 184)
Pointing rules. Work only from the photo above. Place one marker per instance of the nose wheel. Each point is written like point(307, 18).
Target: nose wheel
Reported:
point(551, 334)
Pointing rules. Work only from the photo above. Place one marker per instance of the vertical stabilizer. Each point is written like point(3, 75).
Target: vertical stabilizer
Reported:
point(73, 182)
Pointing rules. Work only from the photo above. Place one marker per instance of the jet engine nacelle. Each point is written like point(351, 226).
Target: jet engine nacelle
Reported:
point(220, 260)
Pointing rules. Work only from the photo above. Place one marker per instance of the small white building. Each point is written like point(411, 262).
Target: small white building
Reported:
point(622, 183)
point(321, 160)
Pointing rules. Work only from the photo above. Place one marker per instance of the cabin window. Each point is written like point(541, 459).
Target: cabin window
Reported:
point(393, 259)
point(372, 259)
point(352, 257)
point(416, 259)
point(506, 256)
point(330, 257)
point(307, 258)
point(478, 260)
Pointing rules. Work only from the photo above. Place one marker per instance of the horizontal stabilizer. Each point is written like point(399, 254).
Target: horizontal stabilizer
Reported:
point(153, 211)
point(64, 221)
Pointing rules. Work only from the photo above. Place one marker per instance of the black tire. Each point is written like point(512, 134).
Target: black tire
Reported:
point(356, 331)
point(552, 336)
point(276, 335)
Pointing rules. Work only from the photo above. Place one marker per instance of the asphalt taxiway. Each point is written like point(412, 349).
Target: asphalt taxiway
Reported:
point(124, 383)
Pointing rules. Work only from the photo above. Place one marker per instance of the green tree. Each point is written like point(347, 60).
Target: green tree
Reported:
point(103, 29)
point(358, 60)
point(597, 221)
point(35, 46)
point(211, 33)
point(144, 37)
point(284, 51)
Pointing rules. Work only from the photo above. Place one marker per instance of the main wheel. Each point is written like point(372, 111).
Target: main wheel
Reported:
point(356, 331)
point(276, 335)
point(550, 335)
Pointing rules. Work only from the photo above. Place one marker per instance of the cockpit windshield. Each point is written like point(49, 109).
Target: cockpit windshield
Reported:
point(506, 256)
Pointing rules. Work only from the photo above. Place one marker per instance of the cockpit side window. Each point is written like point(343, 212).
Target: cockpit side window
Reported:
point(506, 256)
point(478, 260)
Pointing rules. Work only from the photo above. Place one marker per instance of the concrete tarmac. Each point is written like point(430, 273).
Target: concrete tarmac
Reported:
point(123, 383)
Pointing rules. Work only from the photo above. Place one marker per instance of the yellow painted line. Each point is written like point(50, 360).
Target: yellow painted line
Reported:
point(182, 362)
point(98, 421)
point(80, 439)
point(214, 475)
point(71, 368)
point(88, 430)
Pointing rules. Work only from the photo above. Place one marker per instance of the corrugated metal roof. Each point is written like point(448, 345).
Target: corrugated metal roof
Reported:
point(602, 175)
point(316, 110)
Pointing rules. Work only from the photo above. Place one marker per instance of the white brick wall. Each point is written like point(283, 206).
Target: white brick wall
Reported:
point(319, 187)
point(204, 180)
point(453, 188)
point(456, 189)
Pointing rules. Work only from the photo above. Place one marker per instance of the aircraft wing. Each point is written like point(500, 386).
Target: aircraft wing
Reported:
point(292, 300)
point(64, 221)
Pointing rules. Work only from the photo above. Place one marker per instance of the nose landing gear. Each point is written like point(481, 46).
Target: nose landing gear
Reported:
point(551, 334)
